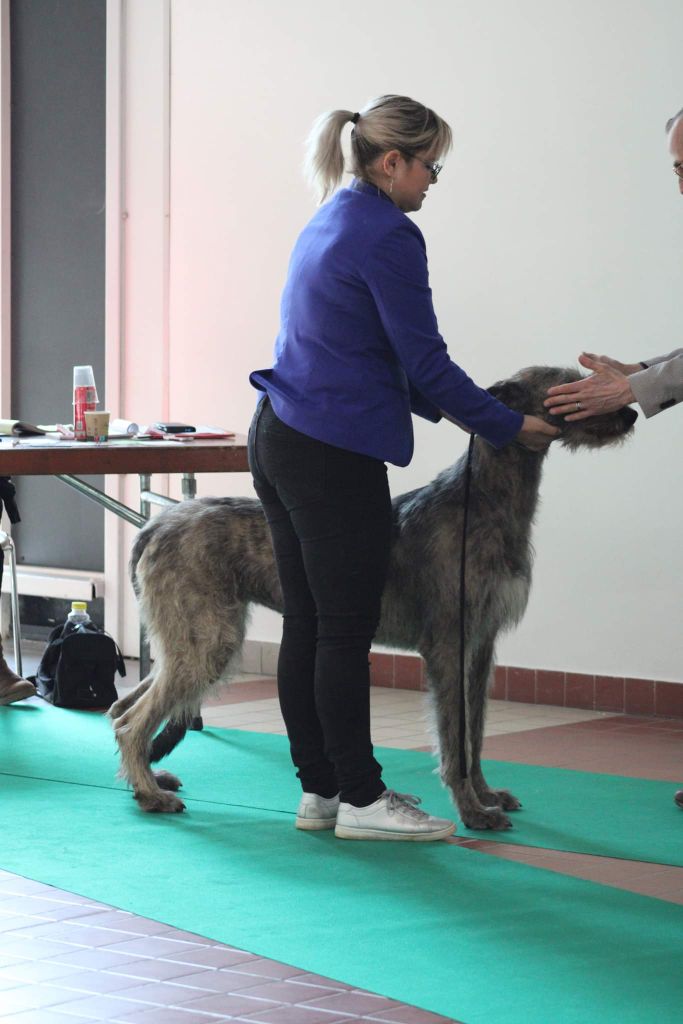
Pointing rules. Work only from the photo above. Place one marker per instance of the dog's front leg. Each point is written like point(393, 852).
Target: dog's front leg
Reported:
point(477, 694)
point(444, 684)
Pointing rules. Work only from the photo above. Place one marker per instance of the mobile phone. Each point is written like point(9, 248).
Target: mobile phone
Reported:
point(174, 428)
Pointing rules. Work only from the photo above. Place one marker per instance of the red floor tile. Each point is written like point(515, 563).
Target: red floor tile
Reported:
point(355, 1002)
point(634, 748)
point(410, 1015)
point(238, 693)
point(297, 1015)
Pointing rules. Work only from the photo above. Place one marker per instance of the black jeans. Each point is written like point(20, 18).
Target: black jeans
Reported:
point(329, 513)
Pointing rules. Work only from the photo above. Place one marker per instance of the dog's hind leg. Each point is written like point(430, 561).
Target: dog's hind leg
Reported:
point(444, 687)
point(168, 739)
point(134, 730)
point(478, 680)
point(124, 703)
point(164, 779)
point(182, 674)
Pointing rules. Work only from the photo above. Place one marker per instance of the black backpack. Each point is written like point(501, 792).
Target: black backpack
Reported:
point(78, 666)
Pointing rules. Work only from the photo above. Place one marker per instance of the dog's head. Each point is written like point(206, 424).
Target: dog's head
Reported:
point(527, 390)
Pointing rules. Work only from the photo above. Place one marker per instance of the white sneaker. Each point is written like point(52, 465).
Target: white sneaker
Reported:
point(317, 812)
point(393, 816)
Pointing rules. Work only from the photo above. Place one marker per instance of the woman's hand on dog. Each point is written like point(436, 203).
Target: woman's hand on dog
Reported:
point(536, 434)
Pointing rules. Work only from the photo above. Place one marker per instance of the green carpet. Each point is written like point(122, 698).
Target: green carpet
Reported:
point(581, 812)
point(447, 929)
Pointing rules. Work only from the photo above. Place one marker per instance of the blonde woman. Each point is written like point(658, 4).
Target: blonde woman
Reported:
point(358, 351)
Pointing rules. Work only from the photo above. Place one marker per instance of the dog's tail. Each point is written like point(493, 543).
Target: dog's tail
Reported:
point(141, 541)
point(167, 740)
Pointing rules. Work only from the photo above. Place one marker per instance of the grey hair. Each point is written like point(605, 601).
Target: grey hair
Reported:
point(388, 122)
point(672, 120)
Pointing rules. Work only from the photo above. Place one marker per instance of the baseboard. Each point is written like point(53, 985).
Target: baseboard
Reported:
point(618, 694)
point(615, 694)
point(260, 657)
point(64, 584)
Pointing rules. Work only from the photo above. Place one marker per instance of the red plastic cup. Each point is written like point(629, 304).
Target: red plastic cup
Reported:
point(85, 398)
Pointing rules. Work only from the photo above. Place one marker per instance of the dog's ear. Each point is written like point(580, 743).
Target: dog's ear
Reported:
point(512, 393)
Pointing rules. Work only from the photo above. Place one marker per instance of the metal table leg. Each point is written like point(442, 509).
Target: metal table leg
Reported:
point(189, 486)
point(7, 544)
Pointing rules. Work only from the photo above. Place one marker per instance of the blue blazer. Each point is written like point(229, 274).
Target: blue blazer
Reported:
point(359, 348)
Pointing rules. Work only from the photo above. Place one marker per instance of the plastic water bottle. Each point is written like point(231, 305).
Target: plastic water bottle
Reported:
point(78, 614)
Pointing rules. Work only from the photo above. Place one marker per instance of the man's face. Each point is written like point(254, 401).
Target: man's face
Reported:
point(676, 148)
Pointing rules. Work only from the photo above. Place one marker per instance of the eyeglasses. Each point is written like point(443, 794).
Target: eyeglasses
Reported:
point(433, 168)
point(678, 169)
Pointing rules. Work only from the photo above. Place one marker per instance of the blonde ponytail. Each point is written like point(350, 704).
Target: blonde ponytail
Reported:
point(388, 122)
point(324, 163)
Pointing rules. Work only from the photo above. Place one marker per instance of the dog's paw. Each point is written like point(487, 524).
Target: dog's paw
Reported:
point(502, 798)
point(165, 780)
point(508, 801)
point(160, 803)
point(488, 819)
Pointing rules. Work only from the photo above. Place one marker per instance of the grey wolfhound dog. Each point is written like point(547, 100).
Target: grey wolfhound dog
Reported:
point(198, 566)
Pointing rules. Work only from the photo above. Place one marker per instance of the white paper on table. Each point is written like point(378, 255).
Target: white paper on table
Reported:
point(124, 427)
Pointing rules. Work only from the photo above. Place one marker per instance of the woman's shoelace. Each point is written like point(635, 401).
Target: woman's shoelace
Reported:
point(403, 801)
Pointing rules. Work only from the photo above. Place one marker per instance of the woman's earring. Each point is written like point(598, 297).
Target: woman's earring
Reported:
point(391, 185)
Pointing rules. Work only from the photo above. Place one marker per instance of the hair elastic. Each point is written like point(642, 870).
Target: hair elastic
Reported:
point(355, 117)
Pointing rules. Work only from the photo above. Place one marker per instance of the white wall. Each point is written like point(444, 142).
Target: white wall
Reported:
point(556, 225)
point(5, 214)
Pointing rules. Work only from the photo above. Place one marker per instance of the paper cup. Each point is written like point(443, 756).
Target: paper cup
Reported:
point(96, 426)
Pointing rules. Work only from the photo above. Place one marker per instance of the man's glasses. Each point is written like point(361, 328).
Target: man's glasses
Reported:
point(433, 168)
point(678, 169)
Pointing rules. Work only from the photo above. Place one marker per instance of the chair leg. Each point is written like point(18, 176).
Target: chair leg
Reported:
point(7, 544)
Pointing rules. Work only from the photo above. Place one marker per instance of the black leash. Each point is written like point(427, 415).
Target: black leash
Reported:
point(463, 553)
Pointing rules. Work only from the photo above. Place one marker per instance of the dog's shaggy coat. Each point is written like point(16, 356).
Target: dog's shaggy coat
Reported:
point(198, 566)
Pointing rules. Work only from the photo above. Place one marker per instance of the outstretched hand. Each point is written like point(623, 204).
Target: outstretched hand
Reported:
point(606, 391)
point(626, 368)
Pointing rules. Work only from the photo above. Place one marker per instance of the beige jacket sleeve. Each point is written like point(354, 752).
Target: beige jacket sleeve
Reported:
point(660, 385)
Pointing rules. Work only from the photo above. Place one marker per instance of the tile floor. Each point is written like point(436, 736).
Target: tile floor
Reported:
point(65, 959)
